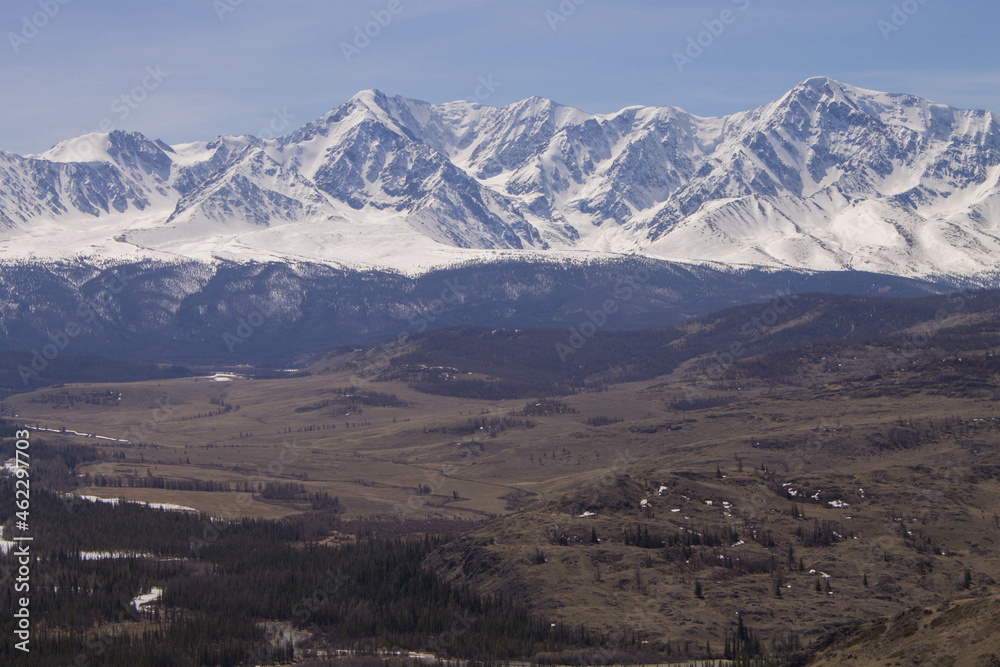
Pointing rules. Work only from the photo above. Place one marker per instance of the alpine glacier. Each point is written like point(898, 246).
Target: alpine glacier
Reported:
point(828, 178)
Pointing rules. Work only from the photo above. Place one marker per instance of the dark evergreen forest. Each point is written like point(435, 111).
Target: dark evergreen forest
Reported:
point(235, 592)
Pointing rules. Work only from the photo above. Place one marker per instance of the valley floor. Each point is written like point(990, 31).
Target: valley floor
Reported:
point(683, 513)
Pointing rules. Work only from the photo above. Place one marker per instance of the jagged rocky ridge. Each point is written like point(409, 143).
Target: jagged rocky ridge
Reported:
point(829, 177)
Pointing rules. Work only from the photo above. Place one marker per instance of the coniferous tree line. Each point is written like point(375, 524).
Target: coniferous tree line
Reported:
point(372, 594)
point(604, 420)
point(544, 407)
point(76, 369)
point(639, 536)
point(65, 398)
point(511, 363)
point(491, 425)
point(52, 466)
point(157, 482)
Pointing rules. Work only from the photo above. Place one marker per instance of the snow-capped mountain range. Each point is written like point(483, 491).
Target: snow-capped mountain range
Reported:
point(828, 178)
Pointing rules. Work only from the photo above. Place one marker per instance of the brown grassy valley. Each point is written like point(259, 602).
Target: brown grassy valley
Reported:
point(836, 494)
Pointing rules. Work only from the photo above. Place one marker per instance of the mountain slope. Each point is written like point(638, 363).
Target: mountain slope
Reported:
point(959, 633)
point(829, 177)
point(279, 312)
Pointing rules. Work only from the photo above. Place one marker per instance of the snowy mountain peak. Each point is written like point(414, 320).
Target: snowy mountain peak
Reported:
point(829, 87)
point(370, 96)
point(102, 147)
point(818, 82)
point(829, 176)
point(373, 100)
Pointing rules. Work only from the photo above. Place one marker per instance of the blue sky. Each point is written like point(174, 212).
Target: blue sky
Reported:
point(238, 66)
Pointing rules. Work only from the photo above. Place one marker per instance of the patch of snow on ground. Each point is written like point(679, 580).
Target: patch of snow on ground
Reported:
point(224, 377)
point(112, 555)
point(140, 602)
point(169, 507)
point(71, 432)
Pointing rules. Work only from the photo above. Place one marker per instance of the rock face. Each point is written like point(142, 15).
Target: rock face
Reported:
point(829, 177)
